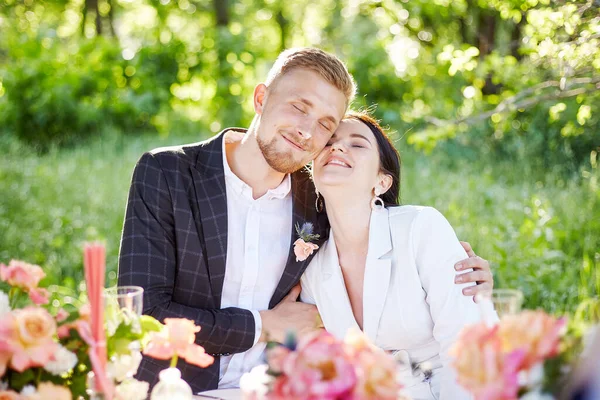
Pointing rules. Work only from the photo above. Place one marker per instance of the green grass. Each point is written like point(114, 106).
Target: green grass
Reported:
point(541, 232)
point(52, 204)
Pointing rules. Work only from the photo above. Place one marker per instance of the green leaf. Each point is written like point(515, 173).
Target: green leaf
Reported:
point(78, 385)
point(18, 380)
point(150, 324)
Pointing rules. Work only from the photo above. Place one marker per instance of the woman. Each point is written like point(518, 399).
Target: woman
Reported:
point(386, 269)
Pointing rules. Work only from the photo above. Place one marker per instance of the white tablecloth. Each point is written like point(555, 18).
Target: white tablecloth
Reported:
point(220, 394)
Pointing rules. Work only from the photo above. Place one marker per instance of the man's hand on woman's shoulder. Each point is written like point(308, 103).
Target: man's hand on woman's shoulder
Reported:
point(481, 274)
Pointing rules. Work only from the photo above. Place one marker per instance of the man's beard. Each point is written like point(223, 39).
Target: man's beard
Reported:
point(283, 162)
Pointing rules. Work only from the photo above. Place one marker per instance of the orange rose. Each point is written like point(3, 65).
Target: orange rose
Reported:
point(182, 332)
point(47, 390)
point(177, 340)
point(9, 395)
point(535, 332)
point(31, 337)
point(482, 367)
point(377, 370)
point(34, 325)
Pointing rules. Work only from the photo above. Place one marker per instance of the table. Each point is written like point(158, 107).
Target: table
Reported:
point(220, 394)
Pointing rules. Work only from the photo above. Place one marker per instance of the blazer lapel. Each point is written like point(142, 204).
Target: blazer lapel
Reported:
point(334, 288)
point(304, 197)
point(377, 272)
point(209, 184)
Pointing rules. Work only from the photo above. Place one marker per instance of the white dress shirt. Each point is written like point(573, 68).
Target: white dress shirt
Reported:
point(411, 305)
point(258, 243)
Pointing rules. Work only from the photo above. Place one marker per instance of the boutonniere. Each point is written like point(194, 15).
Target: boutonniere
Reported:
point(303, 246)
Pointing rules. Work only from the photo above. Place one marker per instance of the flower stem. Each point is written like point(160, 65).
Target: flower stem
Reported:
point(174, 361)
point(13, 297)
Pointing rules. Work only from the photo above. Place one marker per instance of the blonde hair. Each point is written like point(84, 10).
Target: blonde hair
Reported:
point(331, 68)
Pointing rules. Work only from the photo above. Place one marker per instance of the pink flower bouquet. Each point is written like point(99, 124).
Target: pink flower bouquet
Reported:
point(504, 361)
point(319, 366)
point(47, 352)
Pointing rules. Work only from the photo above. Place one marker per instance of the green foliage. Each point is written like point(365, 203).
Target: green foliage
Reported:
point(77, 379)
point(516, 79)
point(306, 232)
point(19, 380)
point(61, 93)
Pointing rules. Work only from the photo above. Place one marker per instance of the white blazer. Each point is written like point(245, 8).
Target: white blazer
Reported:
point(411, 304)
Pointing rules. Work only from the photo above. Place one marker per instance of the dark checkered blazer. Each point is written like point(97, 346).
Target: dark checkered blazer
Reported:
point(174, 245)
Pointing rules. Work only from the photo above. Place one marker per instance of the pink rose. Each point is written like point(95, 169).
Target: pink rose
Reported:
point(483, 367)
point(376, 370)
point(535, 332)
point(281, 390)
point(6, 335)
point(319, 368)
point(302, 249)
point(63, 331)
point(177, 339)
point(21, 275)
point(28, 333)
point(61, 315)
point(83, 322)
point(39, 296)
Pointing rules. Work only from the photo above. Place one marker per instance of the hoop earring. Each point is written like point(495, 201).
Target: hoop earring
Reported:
point(319, 203)
point(377, 204)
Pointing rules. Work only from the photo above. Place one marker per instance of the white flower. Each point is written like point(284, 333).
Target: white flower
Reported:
point(533, 377)
point(124, 366)
point(111, 327)
point(132, 389)
point(64, 361)
point(28, 390)
point(4, 304)
point(256, 381)
point(536, 395)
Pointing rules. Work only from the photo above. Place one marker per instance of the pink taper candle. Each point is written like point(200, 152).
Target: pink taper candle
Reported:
point(95, 267)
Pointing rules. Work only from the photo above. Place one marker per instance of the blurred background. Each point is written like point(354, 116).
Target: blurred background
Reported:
point(493, 104)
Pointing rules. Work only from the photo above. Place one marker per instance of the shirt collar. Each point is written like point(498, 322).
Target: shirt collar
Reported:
point(242, 187)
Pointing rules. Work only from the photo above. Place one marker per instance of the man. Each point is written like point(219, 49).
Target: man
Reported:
point(209, 226)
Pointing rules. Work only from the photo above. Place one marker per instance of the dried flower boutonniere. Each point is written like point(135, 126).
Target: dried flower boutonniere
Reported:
point(303, 246)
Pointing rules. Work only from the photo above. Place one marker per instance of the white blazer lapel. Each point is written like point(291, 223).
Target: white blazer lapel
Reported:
point(334, 290)
point(377, 272)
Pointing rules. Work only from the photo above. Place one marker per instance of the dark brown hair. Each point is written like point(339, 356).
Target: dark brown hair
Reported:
point(389, 158)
